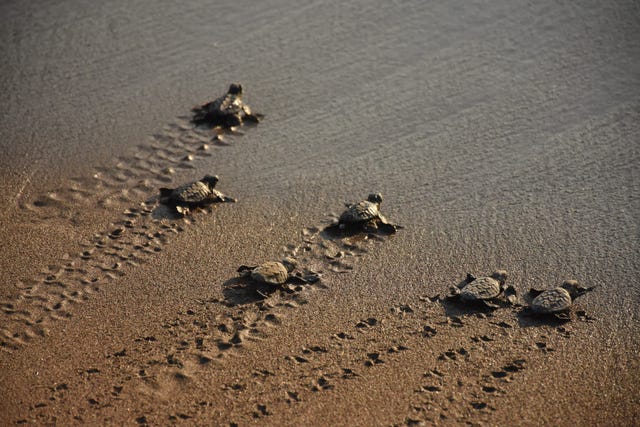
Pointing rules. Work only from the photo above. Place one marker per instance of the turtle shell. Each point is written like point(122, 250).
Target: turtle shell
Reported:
point(360, 212)
point(551, 301)
point(483, 288)
point(272, 273)
point(193, 193)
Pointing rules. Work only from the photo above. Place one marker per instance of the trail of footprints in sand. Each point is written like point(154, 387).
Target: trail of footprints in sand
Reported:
point(132, 181)
point(132, 177)
point(215, 329)
point(453, 384)
point(132, 238)
point(450, 385)
point(103, 258)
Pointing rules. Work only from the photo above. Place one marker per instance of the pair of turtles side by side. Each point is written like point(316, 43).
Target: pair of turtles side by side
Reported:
point(555, 302)
point(486, 291)
point(194, 194)
point(227, 111)
point(276, 275)
point(365, 216)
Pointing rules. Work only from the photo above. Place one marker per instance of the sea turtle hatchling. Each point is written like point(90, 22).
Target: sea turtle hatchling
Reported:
point(484, 290)
point(557, 301)
point(366, 215)
point(193, 194)
point(227, 111)
point(275, 274)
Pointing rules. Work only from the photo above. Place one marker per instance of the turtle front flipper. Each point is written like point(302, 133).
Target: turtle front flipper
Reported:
point(385, 226)
point(182, 210)
point(581, 291)
point(388, 228)
point(221, 198)
point(253, 118)
point(304, 280)
point(246, 268)
point(490, 304)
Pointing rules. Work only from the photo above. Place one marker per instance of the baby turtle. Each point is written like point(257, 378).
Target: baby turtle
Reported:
point(194, 194)
point(484, 290)
point(227, 111)
point(275, 274)
point(557, 301)
point(366, 215)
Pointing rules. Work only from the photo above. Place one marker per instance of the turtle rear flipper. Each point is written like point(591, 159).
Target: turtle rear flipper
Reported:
point(254, 117)
point(511, 295)
point(454, 293)
point(165, 195)
point(304, 279)
point(470, 278)
point(535, 292)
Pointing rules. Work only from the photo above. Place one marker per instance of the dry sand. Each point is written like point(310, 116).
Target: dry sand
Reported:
point(503, 135)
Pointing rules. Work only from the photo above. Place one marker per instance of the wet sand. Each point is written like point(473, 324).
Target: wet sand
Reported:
point(502, 135)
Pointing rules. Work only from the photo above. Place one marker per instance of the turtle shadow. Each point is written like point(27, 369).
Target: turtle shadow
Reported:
point(455, 309)
point(241, 291)
point(356, 232)
point(223, 126)
point(350, 236)
point(162, 211)
point(527, 319)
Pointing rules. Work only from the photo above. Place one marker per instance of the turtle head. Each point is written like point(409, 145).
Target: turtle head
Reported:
point(500, 276)
point(574, 288)
point(210, 180)
point(235, 89)
point(290, 264)
point(375, 198)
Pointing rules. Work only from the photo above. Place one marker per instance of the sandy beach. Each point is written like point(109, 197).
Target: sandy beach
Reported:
point(502, 135)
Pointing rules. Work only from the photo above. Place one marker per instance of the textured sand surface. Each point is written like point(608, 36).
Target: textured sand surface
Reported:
point(502, 135)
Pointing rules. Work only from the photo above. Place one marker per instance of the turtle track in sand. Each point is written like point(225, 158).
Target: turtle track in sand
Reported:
point(102, 259)
point(212, 330)
point(450, 384)
point(131, 177)
point(455, 384)
point(128, 186)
